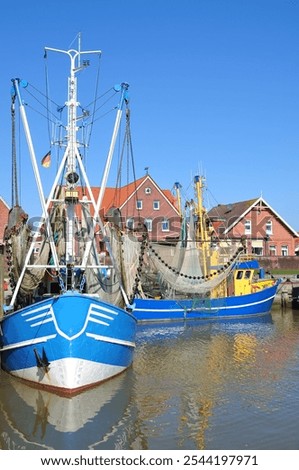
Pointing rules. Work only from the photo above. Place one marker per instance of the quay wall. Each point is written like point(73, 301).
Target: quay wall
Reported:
point(286, 263)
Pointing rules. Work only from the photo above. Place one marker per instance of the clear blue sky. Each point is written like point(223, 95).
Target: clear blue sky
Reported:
point(214, 87)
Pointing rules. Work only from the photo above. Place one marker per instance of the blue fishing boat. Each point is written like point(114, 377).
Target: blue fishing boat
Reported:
point(200, 277)
point(258, 303)
point(68, 324)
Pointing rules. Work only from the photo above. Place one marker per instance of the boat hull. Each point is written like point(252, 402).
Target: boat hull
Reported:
point(257, 303)
point(67, 343)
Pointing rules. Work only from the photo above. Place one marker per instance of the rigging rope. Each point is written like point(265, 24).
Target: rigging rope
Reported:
point(47, 95)
point(127, 143)
point(130, 145)
point(94, 103)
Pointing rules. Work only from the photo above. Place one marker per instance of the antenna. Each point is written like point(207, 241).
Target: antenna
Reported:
point(79, 49)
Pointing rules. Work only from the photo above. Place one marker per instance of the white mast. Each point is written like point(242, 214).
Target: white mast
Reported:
point(72, 153)
point(69, 159)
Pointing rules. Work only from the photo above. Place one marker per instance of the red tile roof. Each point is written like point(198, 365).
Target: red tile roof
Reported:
point(116, 197)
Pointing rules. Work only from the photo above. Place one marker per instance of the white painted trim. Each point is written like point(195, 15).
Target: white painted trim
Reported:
point(29, 342)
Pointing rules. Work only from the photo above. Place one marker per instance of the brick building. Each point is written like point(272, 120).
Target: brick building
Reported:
point(254, 221)
point(4, 210)
point(141, 202)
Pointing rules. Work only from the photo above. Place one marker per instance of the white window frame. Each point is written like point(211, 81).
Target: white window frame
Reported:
point(139, 204)
point(272, 250)
point(269, 227)
point(284, 250)
point(165, 221)
point(149, 224)
point(156, 203)
point(247, 227)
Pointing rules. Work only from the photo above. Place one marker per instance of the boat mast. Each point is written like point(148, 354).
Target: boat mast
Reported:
point(68, 160)
point(183, 230)
point(202, 234)
point(72, 152)
point(177, 187)
point(73, 160)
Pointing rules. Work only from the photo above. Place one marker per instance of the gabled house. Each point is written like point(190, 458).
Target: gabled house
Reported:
point(258, 225)
point(143, 201)
point(138, 204)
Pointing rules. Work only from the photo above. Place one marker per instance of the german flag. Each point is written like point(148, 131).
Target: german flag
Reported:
point(46, 161)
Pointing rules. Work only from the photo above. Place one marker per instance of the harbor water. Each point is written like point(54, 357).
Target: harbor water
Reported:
point(193, 385)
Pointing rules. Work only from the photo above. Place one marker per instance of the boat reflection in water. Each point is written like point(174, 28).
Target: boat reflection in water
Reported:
point(191, 378)
point(40, 420)
point(193, 385)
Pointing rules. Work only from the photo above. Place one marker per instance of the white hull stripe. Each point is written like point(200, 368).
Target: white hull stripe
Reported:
point(102, 315)
point(41, 315)
point(204, 309)
point(95, 320)
point(97, 309)
point(41, 322)
point(44, 309)
point(29, 342)
point(111, 340)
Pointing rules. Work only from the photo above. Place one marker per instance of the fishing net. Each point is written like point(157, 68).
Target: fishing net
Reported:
point(183, 270)
point(18, 236)
point(119, 264)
